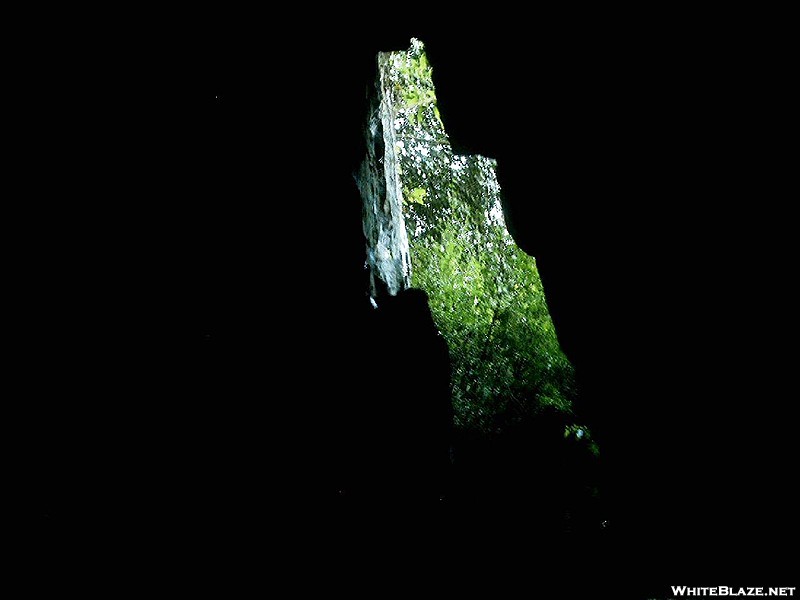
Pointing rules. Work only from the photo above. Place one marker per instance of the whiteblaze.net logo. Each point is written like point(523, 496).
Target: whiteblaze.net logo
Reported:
point(731, 592)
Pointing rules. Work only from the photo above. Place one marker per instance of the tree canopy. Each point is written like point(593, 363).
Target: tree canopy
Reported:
point(485, 292)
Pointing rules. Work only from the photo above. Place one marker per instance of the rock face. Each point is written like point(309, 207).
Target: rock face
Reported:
point(378, 181)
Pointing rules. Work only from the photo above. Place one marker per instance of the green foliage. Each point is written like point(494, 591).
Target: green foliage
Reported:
point(581, 435)
point(486, 294)
point(417, 195)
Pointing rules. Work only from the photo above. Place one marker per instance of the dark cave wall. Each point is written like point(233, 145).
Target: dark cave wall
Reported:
point(180, 196)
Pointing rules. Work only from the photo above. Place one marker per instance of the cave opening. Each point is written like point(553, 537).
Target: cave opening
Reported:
point(450, 239)
point(433, 220)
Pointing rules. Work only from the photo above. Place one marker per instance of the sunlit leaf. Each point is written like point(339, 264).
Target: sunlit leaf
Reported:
point(417, 195)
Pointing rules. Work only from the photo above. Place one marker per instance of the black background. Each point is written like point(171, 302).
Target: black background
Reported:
point(190, 259)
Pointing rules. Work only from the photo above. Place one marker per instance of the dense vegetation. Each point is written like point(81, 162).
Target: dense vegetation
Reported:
point(485, 293)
